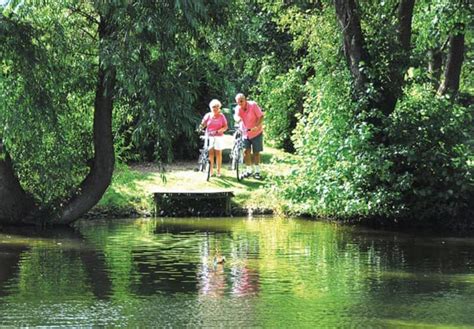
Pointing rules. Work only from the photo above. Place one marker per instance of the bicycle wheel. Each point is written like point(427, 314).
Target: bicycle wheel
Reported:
point(201, 162)
point(232, 157)
point(237, 166)
point(207, 169)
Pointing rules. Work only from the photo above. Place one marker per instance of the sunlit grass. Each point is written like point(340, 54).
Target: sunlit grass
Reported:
point(126, 190)
point(133, 187)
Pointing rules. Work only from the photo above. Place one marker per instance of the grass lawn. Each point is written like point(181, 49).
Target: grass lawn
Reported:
point(132, 186)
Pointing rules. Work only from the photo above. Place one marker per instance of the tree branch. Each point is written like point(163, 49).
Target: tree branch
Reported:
point(87, 16)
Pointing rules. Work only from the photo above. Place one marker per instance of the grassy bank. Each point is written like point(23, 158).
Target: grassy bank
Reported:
point(130, 193)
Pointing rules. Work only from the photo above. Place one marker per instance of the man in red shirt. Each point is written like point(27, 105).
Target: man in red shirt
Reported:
point(250, 116)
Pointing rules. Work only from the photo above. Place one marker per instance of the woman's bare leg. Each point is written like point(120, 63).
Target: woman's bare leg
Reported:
point(219, 161)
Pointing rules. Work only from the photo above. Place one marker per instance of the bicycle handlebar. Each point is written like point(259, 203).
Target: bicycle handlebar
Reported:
point(209, 134)
point(239, 129)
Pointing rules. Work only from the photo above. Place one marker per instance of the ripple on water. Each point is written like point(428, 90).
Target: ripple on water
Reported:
point(277, 273)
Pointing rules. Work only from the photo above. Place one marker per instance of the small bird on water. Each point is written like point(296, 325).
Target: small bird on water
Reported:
point(219, 260)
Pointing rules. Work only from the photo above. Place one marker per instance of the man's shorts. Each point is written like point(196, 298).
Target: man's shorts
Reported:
point(216, 143)
point(255, 143)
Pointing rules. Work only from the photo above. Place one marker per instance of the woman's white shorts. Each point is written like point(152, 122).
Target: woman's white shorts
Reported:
point(216, 143)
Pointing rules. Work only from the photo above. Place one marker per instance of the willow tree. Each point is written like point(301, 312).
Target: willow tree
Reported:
point(64, 66)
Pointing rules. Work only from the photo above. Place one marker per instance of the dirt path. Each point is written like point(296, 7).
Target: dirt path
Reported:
point(190, 165)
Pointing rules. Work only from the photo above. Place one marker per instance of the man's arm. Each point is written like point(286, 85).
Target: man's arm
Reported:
point(258, 124)
point(237, 117)
point(258, 112)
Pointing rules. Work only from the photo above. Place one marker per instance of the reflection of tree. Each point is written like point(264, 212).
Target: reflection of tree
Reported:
point(95, 268)
point(117, 242)
point(9, 258)
point(44, 258)
point(417, 278)
point(52, 275)
point(315, 267)
point(144, 257)
point(278, 271)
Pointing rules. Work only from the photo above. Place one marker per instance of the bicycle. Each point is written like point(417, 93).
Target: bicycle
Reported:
point(204, 163)
point(237, 153)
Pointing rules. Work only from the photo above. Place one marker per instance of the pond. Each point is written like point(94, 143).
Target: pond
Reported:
point(277, 273)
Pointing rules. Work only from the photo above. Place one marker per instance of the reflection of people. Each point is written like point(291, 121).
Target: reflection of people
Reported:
point(249, 114)
point(213, 280)
point(215, 124)
point(245, 281)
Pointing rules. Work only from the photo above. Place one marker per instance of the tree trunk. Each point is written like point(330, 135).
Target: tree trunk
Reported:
point(388, 90)
point(452, 73)
point(15, 203)
point(390, 93)
point(95, 184)
point(434, 65)
point(405, 15)
point(354, 49)
point(356, 53)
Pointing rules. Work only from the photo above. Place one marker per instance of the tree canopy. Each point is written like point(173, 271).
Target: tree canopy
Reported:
point(375, 98)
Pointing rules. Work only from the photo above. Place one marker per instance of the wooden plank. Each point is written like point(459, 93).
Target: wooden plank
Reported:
point(192, 203)
point(197, 193)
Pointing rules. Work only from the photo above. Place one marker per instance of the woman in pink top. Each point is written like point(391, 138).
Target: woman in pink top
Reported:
point(215, 124)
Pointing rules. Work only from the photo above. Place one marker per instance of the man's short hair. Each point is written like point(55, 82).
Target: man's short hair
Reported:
point(239, 96)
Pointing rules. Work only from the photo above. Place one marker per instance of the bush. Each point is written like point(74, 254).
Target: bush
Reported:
point(430, 151)
point(281, 98)
point(424, 173)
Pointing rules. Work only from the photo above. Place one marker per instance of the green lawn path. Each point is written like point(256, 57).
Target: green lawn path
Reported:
point(132, 186)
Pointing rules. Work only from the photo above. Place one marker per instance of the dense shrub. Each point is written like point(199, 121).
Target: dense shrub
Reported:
point(430, 153)
point(335, 153)
point(422, 174)
point(281, 98)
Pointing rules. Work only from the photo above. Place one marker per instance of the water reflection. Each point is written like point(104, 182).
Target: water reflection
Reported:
point(219, 274)
point(245, 280)
point(277, 272)
point(9, 259)
point(49, 265)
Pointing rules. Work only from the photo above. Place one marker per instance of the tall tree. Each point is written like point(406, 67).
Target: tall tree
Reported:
point(387, 88)
point(442, 31)
point(110, 56)
point(354, 43)
point(100, 175)
point(96, 182)
point(455, 58)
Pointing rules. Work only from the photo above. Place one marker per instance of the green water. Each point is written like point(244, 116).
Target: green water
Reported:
point(278, 273)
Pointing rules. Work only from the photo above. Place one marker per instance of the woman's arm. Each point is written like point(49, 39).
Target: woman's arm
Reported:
point(224, 128)
point(204, 122)
point(224, 125)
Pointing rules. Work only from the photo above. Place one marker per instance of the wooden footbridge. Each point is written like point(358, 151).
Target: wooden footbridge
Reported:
point(193, 203)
